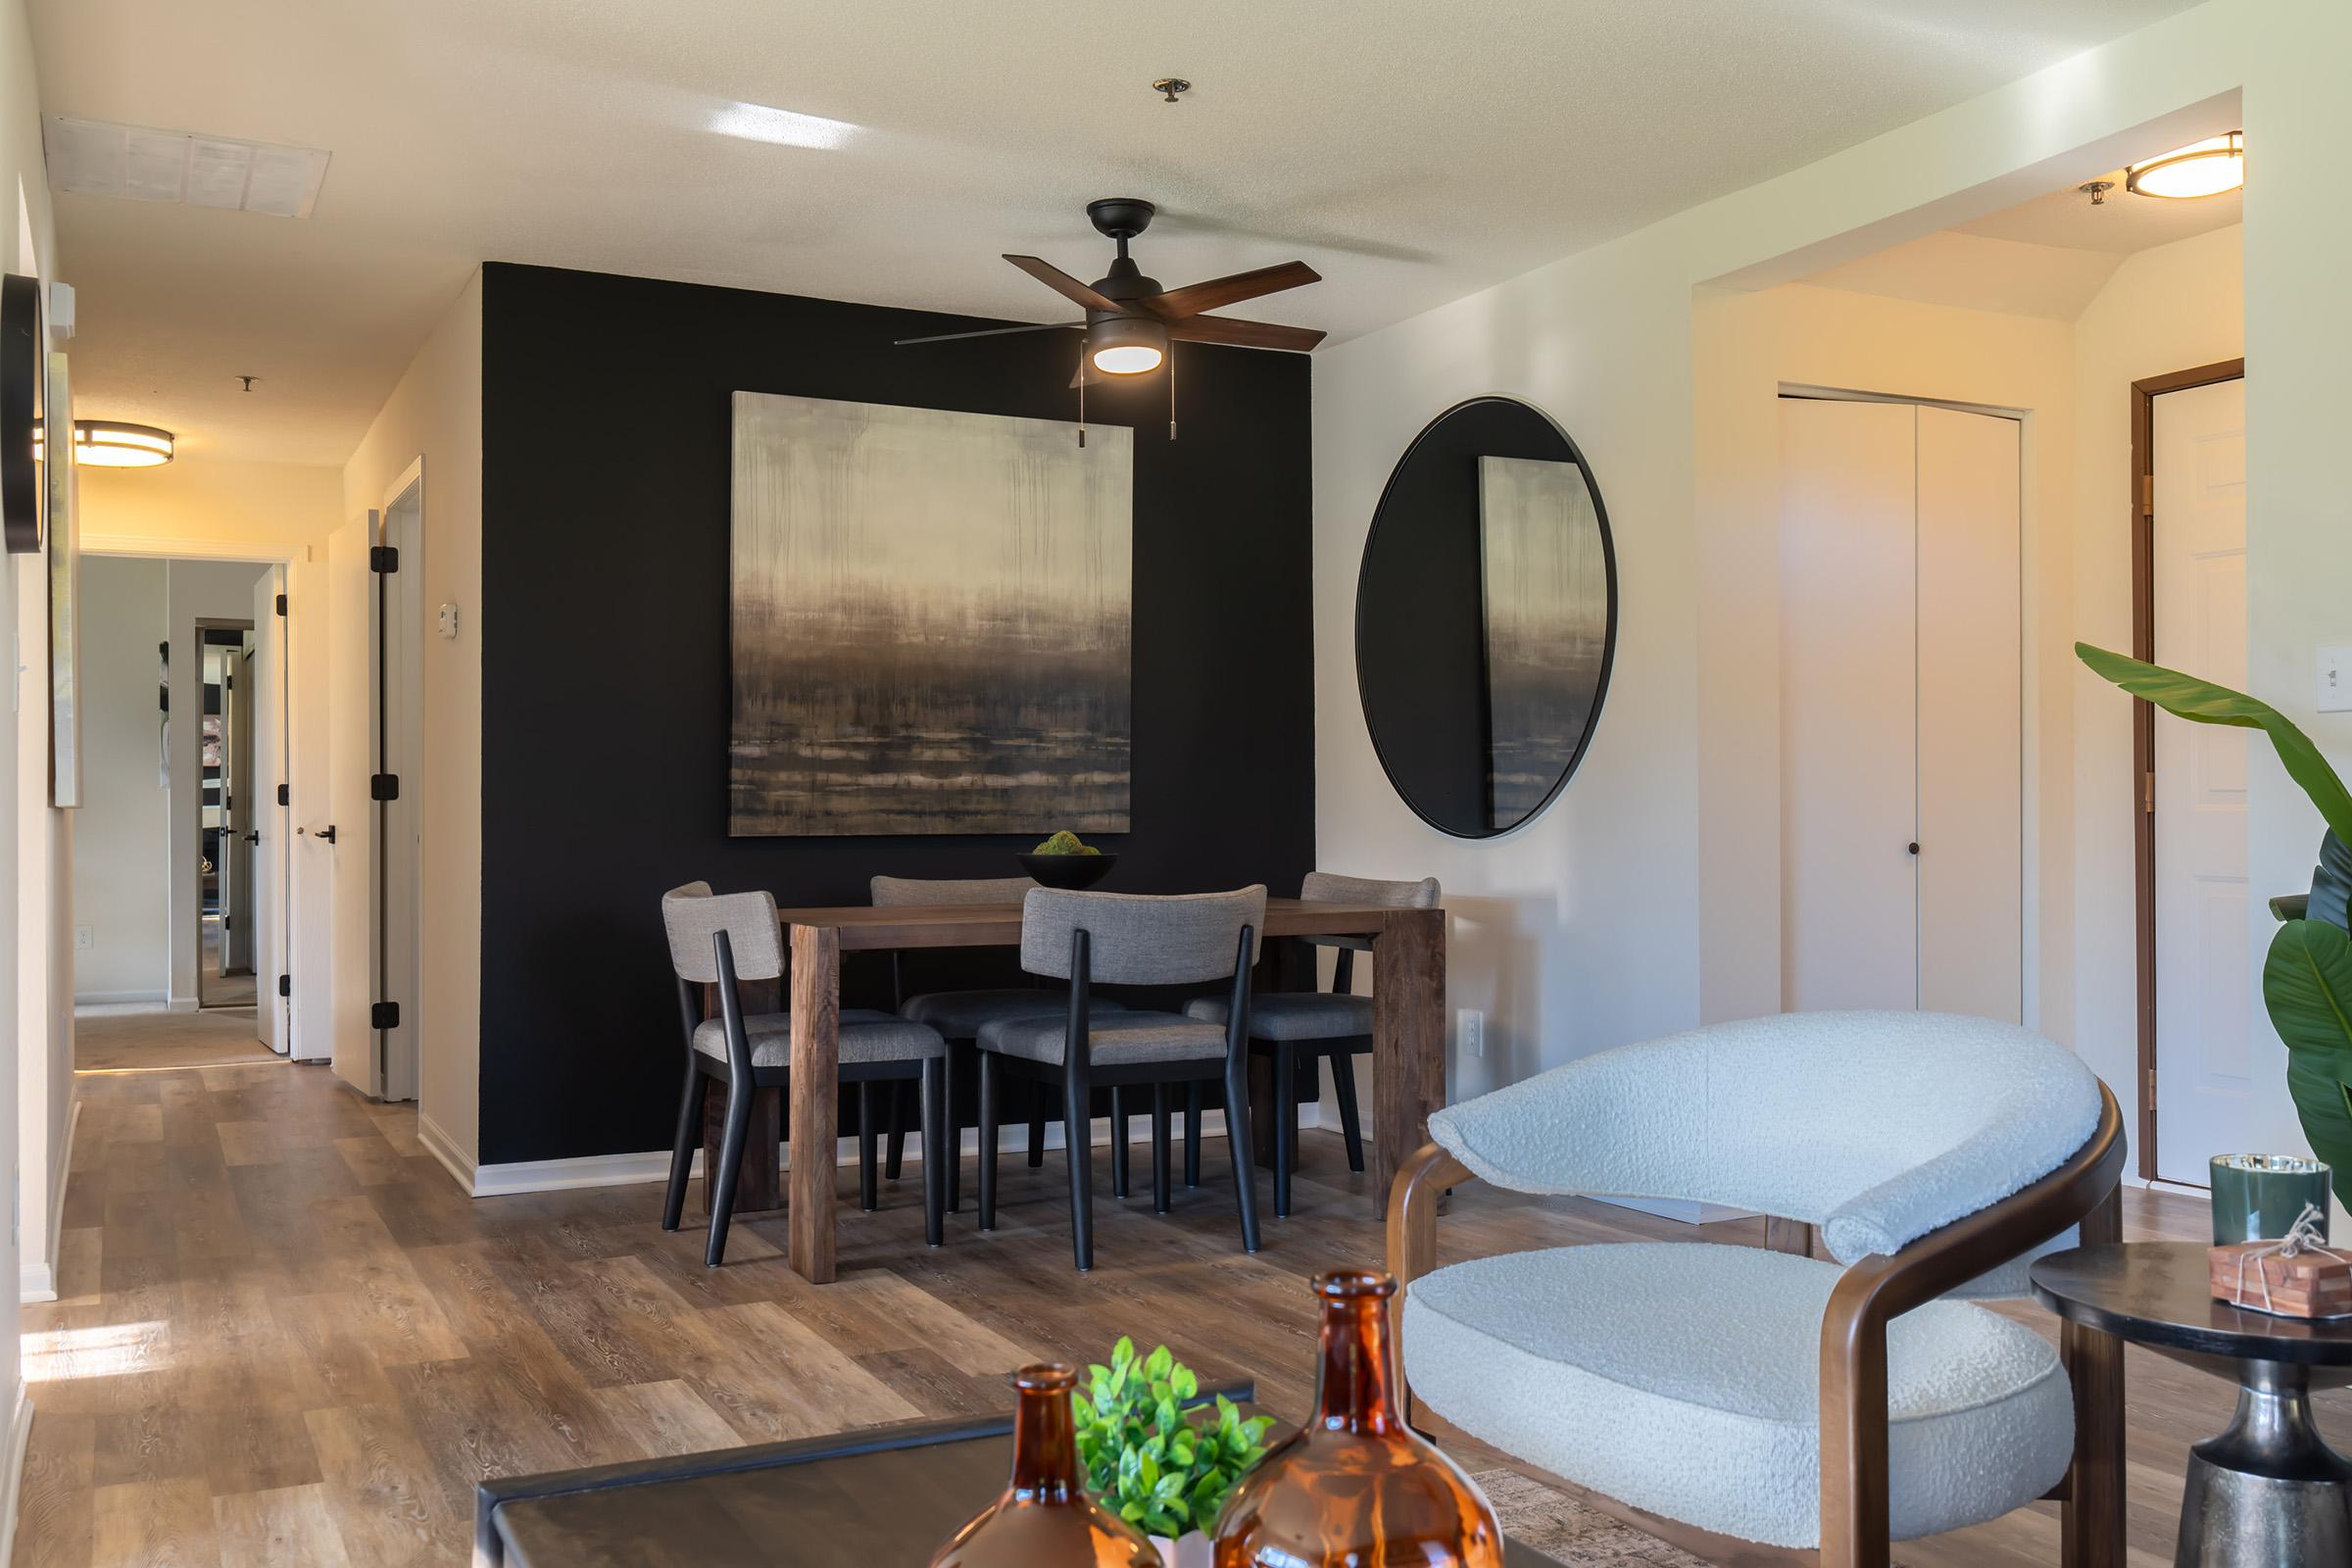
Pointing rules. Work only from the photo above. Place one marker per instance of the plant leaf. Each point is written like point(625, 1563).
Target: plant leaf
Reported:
point(1184, 1381)
point(1156, 1366)
point(2332, 884)
point(2204, 703)
point(1122, 1352)
point(2307, 986)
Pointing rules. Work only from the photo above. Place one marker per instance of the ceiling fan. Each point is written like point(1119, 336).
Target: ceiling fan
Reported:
point(1131, 320)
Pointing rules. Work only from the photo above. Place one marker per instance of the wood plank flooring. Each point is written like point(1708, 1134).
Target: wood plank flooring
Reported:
point(284, 1335)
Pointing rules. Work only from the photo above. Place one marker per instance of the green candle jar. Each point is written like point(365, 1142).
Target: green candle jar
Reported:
point(2256, 1197)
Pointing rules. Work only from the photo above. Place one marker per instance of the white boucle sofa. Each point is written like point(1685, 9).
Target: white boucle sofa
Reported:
point(1735, 1398)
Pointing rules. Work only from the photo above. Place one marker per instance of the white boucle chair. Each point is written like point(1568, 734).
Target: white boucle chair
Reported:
point(1729, 1397)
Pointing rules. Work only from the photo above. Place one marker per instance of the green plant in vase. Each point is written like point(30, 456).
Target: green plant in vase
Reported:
point(1156, 1459)
point(2307, 977)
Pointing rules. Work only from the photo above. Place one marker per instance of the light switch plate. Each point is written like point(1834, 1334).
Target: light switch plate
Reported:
point(1470, 1026)
point(448, 621)
point(2335, 681)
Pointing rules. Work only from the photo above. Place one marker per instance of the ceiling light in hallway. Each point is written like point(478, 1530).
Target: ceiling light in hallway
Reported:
point(113, 444)
point(2205, 167)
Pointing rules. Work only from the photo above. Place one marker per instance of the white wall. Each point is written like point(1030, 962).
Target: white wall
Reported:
point(193, 589)
point(123, 828)
point(436, 414)
point(2169, 309)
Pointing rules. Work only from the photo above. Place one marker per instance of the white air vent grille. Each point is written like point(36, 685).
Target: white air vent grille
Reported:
point(93, 157)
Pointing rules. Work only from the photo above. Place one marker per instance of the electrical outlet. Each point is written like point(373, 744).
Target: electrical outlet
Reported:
point(2335, 681)
point(1470, 1028)
point(83, 940)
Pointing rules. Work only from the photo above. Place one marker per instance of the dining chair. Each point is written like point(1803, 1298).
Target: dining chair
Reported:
point(1127, 938)
point(1299, 1029)
point(718, 941)
point(959, 1015)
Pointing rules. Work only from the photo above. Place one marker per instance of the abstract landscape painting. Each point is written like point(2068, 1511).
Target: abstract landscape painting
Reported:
point(931, 621)
point(1547, 580)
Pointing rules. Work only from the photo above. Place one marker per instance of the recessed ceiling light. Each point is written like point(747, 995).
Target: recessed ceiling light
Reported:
point(97, 158)
point(2205, 167)
point(113, 444)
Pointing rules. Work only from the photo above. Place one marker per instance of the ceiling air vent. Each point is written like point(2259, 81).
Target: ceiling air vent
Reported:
point(92, 157)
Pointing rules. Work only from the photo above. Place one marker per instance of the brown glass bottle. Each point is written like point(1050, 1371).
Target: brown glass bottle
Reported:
point(1356, 1486)
point(1045, 1518)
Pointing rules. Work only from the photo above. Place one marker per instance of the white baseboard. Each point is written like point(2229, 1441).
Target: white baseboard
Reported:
point(12, 1478)
point(653, 1165)
point(119, 998)
point(37, 1281)
point(443, 1148)
point(183, 1005)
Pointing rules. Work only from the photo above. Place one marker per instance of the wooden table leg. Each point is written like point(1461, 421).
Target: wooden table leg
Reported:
point(815, 1093)
point(1408, 1040)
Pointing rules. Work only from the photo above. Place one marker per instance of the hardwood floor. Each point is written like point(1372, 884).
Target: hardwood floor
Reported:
point(285, 1336)
point(140, 1041)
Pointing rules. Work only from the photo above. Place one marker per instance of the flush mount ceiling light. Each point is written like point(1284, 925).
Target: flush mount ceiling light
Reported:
point(113, 444)
point(1127, 345)
point(2205, 167)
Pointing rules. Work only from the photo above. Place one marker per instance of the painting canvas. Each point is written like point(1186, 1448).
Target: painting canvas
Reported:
point(1547, 595)
point(931, 621)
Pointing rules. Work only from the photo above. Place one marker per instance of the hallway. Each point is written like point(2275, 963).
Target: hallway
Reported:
point(149, 1040)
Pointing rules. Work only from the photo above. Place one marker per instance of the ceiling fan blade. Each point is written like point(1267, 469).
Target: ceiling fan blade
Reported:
point(1244, 334)
point(1063, 284)
point(1193, 298)
point(993, 331)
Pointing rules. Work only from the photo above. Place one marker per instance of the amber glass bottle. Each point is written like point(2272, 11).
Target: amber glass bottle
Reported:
point(1356, 1486)
point(1045, 1518)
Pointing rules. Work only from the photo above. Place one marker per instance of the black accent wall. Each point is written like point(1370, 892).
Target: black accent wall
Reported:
point(606, 429)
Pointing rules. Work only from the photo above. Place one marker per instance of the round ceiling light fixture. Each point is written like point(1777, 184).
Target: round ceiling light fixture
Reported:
point(1127, 345)
point(113, 444)
point(2205, 167)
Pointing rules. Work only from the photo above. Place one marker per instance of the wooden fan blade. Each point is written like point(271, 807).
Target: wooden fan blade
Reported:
point(1063, 284)
point(1190, 300)
point(1244, 334)
point(993, 331)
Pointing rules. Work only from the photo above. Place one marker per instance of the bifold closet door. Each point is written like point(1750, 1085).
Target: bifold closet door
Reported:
point(1849, 932)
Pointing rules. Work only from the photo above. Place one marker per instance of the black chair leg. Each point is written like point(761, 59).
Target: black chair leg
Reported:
point(730, 1167)
point(1351, 1127)
point(1079, 1148)
point(1160, 1149)
point(1286, 1125)
point(1037, 1125)
point(936, 1133)
point(1118, 1143)
point(992, 1076)
point(1237, 1139)
point(1195, 1094)
point(681, 1154)
point(869, 1191)
point(958, 1061)
point(894, 1150)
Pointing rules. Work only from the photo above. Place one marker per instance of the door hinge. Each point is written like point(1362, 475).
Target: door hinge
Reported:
point(2148, 495)
point(384, 1016)
point(383, 558)
point(285, 985)
point(228, 923)
point(383, 787)
point(2147, 791)
point(281, 796)
point(2151, 1091)
point(281, 603)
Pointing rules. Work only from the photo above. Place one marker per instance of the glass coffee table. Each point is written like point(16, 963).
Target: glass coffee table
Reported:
point(880, 1495)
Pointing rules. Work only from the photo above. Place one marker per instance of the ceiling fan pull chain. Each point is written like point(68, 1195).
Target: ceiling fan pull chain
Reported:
point(1171, 391)
point(1082, 394)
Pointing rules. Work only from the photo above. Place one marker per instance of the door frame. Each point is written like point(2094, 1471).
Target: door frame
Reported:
point(2143, 500)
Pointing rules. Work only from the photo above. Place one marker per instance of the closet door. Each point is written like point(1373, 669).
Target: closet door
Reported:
point(1849, 710)
point(1970, 759)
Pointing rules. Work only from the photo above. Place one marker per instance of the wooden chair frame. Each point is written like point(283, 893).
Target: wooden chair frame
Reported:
point(2087, 1190)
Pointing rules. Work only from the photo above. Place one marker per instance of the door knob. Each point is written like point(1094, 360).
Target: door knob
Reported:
point(327, 832)
point(1914, 848)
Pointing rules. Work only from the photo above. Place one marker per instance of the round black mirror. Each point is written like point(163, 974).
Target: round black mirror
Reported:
point(1486, 617)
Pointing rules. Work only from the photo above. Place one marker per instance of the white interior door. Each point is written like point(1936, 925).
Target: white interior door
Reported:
point(2202, 998)
point(271, 862)
point(347, 813)
point(1849, 932)
point(1971, 706)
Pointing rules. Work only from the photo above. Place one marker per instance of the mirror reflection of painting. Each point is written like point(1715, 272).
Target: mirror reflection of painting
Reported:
point(1546, 614)
point(931, 621)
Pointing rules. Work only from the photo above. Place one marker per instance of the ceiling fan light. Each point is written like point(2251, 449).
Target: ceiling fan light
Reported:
point(1127, 345)
point(2205, 167)
point(113, 444)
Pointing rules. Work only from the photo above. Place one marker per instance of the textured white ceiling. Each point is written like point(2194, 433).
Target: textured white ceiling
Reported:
point(1410, 150)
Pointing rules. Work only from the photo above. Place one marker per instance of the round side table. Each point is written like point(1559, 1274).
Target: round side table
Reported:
point(2269, 1489)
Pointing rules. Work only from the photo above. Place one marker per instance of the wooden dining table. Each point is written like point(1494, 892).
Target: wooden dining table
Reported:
point(1408, 1031)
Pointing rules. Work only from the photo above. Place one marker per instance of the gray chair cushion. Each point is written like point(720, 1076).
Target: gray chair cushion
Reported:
point(1293, 1014)
point(1119, 1038)
point(867, 1037)
point(1334, 888)
point(692, 916)
point(960, 1015)
point(1142, 939)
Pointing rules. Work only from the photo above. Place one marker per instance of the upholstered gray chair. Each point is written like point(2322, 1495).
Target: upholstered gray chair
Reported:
point(959, 1015)
point(1301, 1028)
point(1127, 938)
point(721, 941)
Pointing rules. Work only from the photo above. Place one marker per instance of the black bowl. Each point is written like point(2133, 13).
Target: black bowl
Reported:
point(1068, 870)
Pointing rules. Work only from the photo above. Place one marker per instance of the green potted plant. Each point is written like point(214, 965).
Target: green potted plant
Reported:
point(1157, 1459)
point(2307, 977)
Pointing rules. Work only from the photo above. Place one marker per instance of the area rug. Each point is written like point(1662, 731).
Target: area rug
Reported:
point(1569, 1531)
